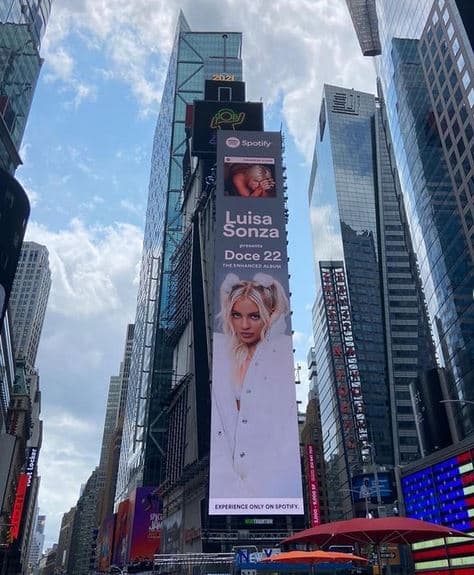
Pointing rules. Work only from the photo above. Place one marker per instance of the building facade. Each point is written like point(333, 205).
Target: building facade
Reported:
point(426, 77)
point(22, 25)
point(29, 299)
point(355, 199)
point(195, 57)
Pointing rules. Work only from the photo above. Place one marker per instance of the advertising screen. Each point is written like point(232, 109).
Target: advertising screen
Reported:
point(105, 543)
point(374, 487)
point(17, 513)
point(313, 487)
point(120, 554)
point(212, 117)
point(255, 459)
point(146, 528)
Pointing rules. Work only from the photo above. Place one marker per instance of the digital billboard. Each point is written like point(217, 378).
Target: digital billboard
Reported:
point(374, 487)
point(121, 534)
point(146, 527)
point(105, 543)
point(18, 505)
point(255, 464)
point(212, 117)
point(344, 359)
point(313, 488)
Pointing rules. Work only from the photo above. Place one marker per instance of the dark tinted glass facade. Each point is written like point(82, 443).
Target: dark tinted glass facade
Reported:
point(426, 71)
point(196, 56)
point(358, 216)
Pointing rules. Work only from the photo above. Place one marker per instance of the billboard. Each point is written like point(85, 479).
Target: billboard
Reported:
point(211, 117)
point(313, 488)
point(344, 358)
point(121, 535)
point(17, 512)
point(105, 543)
point(255, 464)
point(374, 486)
point(146, 527)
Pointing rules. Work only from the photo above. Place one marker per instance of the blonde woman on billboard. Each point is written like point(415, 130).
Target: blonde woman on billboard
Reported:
point(254, 444)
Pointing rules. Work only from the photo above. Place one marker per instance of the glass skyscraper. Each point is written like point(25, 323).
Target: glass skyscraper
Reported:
point(426, 70)
point(22, 25)
point(195, 57)
point(359, 226)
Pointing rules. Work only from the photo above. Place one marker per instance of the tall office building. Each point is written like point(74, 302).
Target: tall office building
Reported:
point(37, 543)
point(113, 427)
point(196, 56)
point(22, 25)
point(372, 337)
point(426, 70)
point(29, 299)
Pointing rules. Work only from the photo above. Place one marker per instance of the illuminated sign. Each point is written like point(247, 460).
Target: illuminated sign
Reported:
point(31, 460)
point(344, 359)
point(443, 493)
point(255, 466)
point(227, 118)
point(211, 117)
point(224, 77)
point(17, 512)
point(313, 488)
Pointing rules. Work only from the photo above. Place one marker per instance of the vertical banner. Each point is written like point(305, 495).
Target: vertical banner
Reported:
point(313, 488)
point(17, 512)
point(346, 370)
point(255, 456)
point(146, 528)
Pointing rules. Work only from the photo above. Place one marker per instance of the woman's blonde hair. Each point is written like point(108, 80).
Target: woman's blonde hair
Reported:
point(267, 294)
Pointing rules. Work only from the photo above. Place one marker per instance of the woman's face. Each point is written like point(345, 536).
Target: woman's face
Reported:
point(246, 321)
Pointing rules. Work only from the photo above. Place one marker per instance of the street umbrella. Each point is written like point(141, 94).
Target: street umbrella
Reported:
point(311, 557)
point(395, 530)
point(373, 531)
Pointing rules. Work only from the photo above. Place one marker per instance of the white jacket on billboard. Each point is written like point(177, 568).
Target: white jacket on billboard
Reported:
point(254, 440)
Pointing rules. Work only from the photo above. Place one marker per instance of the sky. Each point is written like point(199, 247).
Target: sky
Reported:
point(86, 163)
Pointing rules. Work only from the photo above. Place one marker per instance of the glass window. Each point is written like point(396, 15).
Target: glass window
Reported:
point(453, 160)
point(469, 133)
point(470, 97)
point(448, 142)
point(455, 128)
point(466, 166)
point(455, 46)
point(453, 79)
point(460, 62)
point(466, 79)
point(450, 111)
point(463, 113)
point(463, 199)
point(461, 147)
point(450, 31)
point(458, 95)
point(435, 18)
point(448, 62)
point(446, 94)
point(444, 125)
point(445, 15)
point(440, 4)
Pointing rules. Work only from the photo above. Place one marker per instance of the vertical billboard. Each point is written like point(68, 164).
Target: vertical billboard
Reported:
point(18, 506)
point(313, 488)
point(146, 527)
point(121, 534)
point(105, 542)
point(346, 371)
point(255, 457)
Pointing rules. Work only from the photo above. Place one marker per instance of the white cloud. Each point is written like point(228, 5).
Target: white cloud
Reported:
point(289, 49)
point(89, 266)
point(93, 296)
point(327, 241)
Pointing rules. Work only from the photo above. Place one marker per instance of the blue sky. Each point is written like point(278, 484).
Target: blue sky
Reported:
point(86, 154)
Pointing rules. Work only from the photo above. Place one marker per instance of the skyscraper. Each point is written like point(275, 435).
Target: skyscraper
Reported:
point(29, 299)
point(195, 57)
point(372, 338)
point(22, 25)
point(426, 71)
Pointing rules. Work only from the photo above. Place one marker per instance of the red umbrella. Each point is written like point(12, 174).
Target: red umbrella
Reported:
point(311, 557)
point(373, 531)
